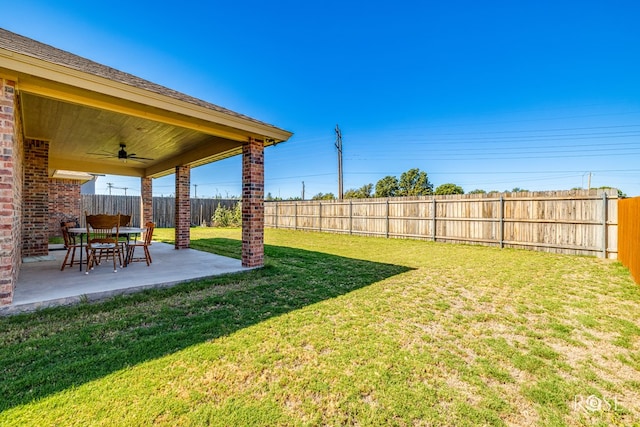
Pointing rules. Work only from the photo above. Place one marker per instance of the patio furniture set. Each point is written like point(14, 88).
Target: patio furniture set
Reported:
point(107, 237)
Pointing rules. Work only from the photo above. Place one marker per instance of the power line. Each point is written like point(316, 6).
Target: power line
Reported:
point(537, 119)
point(530, 138)
point(567, 129)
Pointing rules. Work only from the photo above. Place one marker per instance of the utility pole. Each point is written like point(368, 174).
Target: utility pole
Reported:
point(125, 190)
point(109, 185)
point(339, 147)
point(302, 190)
point(196, 190)
point(589, 182)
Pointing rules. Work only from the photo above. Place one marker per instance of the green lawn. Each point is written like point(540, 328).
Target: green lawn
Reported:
point(340, 330)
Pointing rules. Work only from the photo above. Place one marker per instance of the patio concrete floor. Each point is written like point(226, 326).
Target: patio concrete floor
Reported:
point(42, 284)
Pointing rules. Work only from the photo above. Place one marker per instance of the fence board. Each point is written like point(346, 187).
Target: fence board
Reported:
point(629, 235)
point(575, 222)
point(572, 222)
point(163, 208)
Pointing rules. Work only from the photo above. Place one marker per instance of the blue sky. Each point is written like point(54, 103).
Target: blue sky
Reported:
point(492, 95)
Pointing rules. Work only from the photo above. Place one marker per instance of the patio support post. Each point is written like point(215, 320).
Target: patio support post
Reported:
point(146, 200)
point(10, 190)
point(183, 207)
point(253, 203)
point(35, 210)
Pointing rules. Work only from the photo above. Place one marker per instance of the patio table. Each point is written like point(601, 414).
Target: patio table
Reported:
point(122, 231)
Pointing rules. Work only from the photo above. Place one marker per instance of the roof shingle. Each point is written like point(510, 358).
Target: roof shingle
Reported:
point(23, 45)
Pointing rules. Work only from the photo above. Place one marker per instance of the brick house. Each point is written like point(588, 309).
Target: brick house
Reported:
point(61, 114)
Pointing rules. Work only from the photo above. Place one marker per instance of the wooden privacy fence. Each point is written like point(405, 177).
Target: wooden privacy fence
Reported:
point(573, 222)
point(629, 235)
point(164, 208)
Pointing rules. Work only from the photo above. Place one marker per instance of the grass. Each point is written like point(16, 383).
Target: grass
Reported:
point(340, 330)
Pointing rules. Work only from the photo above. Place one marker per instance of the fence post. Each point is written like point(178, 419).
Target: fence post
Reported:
point(295, 215)
point(276, 213)
point(350, 216)
point(319, 216)
point(433, 223)
point(604, 224)
point(386, 225)
point(501, 222)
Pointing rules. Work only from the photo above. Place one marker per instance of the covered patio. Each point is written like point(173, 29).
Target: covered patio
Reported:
point(61, 114)
point(41, 283)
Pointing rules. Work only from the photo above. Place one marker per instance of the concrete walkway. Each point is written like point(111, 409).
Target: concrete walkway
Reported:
point(42, 284)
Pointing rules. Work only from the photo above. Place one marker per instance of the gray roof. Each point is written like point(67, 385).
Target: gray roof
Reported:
point(23, 45)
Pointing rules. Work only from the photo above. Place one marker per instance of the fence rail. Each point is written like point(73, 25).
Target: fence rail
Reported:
point(573, 222)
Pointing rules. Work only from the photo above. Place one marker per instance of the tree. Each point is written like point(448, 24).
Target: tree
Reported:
point(477, 191)
point(327, 196)
point(227, 217)
point(517, 190)
point(363, 192)
point(269, 197)
point(448, 188)
point(415, 183)
point(387, 187)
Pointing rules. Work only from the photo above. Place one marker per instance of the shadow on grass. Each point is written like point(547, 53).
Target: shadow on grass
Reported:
point(54, 349)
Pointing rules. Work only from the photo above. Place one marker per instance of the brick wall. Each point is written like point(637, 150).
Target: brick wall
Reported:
point(64, 203)
point(253, 203)
point(183, 207)
point(35, 213)
point(11, 180)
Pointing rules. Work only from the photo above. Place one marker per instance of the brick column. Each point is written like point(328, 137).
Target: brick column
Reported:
point(253, 203)
point(64, 203)
point(11, 178)
point(146, 200)
point(183, 207)
point(35, 214)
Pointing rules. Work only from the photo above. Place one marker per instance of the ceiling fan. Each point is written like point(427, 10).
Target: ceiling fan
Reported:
point(122, 155)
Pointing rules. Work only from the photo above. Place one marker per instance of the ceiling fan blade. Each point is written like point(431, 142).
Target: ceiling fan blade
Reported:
point(121, 155)
point(104, 154)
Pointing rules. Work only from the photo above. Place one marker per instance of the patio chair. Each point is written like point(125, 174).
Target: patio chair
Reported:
point(102, 239)
point(70, 244)
point(125, 221)
point(144, 244)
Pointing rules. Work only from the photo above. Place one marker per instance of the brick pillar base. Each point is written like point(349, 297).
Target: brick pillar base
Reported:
point(183, 207)
point(146, 201)
point(253, 203)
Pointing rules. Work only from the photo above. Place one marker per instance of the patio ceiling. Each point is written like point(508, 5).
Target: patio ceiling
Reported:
point(86, 110)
